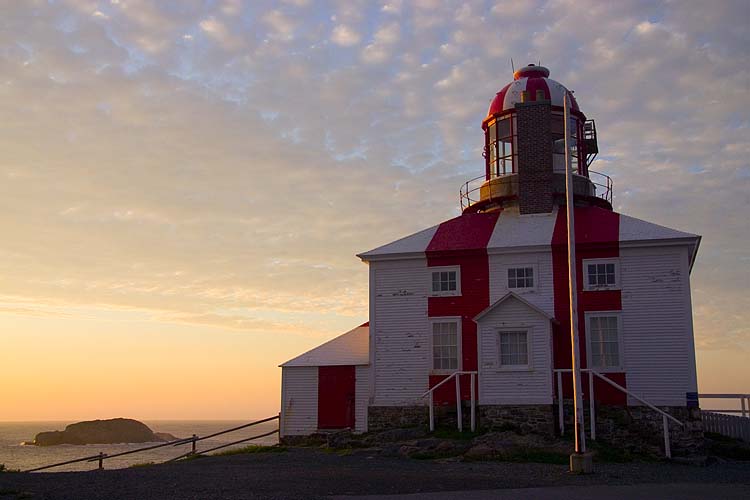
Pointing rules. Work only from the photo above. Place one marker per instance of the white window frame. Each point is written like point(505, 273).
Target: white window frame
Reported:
point(620, 343)
point(459, 353)
point(450, 293)
point(529, 351)
point(587, 262)
point(522, 266)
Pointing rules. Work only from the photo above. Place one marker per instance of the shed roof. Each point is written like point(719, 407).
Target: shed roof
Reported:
point(350, 348)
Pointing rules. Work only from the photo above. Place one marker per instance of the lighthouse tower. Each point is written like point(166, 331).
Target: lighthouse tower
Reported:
point(469, 320)
point(524, 150)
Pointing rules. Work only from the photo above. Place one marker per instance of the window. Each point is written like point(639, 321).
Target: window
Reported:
point(603, 332)
point(521, 277)
point(601, 274)
point(500, 139)
point(446, 281)
point(445, 345)
point(514, 349)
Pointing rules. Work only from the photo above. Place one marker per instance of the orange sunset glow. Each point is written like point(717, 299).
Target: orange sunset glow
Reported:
point(184, 185)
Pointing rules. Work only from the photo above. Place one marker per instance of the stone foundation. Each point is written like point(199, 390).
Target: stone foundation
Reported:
point(380, 418)
point(639, 429)
point(526, 419)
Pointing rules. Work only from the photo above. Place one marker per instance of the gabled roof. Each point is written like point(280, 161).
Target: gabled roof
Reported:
point(632, 229)
point(512, 296)
point(415, 243)
point(507, 230)
point(350, 348)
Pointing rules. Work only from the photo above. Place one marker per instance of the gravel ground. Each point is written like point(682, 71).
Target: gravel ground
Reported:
point(310, 473)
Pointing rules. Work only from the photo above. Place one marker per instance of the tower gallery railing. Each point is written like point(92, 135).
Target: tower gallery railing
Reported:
point(470, 191)
point(101, 457)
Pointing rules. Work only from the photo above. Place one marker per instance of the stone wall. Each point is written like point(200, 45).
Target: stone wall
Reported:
point(381, 418)
point(526, 419)
point(639, 429)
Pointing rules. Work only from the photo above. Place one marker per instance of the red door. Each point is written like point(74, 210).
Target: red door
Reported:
point(335, 397)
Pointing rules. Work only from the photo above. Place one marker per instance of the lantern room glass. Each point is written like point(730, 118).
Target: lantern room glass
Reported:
point(500, 147)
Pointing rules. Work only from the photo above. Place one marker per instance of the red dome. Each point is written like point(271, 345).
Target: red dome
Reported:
point(530, 79)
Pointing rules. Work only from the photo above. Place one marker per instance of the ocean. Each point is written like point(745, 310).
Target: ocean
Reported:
point(17, 456)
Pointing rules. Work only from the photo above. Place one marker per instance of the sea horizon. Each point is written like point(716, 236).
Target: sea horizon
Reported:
point(15, 455)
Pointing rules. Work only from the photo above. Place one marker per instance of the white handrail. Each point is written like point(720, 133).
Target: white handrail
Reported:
point(459, 413)
point(446, 379)
point(665, 416)
point(744, 402)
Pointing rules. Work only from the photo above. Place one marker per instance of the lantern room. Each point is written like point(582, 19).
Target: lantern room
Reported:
point(524, 149)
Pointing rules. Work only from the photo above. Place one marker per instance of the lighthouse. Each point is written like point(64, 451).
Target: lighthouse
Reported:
point(470, 319)
point(524, 150)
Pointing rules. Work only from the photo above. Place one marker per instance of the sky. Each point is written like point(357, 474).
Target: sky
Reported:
point(184, 184)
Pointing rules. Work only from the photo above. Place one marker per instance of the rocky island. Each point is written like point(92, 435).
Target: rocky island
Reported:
point(115, 430)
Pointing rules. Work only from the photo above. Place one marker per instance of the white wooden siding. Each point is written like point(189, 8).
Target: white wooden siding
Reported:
point(523, 386)
point(362, 390)
point(542, 296)
point(400, 343)
point(657, 333)
point(299, 400)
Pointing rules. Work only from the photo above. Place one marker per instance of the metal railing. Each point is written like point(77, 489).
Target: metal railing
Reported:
point(470, 191)
point(666, 417)
point(603, 185)
point(101, 457)
point(459, 410)
point(744, 403)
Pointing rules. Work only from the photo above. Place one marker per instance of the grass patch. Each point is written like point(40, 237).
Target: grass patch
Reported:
point(726, 447)
point(142, 464)
point(17, 494)
point(252, 449)
point(455, 434)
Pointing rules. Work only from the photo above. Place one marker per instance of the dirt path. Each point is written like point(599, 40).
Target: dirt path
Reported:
point(309, 473)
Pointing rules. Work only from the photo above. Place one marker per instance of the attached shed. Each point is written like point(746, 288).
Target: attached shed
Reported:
point(327, 388)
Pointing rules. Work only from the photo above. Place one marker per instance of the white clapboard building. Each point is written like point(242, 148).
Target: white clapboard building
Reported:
point(479, 305)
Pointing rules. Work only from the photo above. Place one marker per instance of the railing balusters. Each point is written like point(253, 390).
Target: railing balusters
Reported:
point(560, 410)
point(459, 416)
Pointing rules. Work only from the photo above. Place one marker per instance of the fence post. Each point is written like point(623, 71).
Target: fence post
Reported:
point(744, 408)
point(432, 415)
point(667, 448)
point(101, 460)
point(592, 411)
point(195, 437)
point(473, 404)
point(459, 413)
point(560, 412)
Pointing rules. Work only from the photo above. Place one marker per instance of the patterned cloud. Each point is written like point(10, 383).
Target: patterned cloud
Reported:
point(220, 163)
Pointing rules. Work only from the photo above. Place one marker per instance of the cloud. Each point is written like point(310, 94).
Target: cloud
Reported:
point(205, 165)
point(281, 24)
point(345, 36)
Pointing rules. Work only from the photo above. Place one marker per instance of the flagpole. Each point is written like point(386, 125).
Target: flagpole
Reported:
point(580, 435)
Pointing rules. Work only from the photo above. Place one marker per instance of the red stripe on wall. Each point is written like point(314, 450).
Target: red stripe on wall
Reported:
point(462, 242)
point(597, 237)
